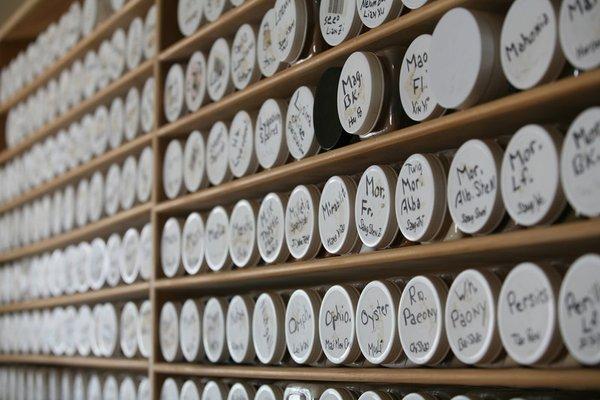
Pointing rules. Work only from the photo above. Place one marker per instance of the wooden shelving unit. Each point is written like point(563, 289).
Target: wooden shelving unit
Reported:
point(556, 102)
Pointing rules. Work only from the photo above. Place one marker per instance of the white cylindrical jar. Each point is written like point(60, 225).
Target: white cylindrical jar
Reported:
point(376, 13)
point(147, 106)
point(144, 329)
point(195, 81)
point(170, 248)
point(217, 240)
point(265, 51)
point(242, 157)
point(128, 329)
point(218, 76)
point(244, 68)
point(135, 43)
point(337, 227)
point(243, 247)
point(112, 189)
point(213, 330)
point(174, 96)
point(173, 169)
point(145, 175)
point(270, 229)
point(128, 183)
point(269, 141)
point(132, 113)
point(194, 160)
point(193, 244)
point(339, 21)
point(301, 326)
point(299, 126)
point(239, 329)
point(268, 333)
point(189, 15)
point(168, 330)
point(190, 330)
point(130, 266)
point(301, 222)
point(217, 154)
point(578, 32)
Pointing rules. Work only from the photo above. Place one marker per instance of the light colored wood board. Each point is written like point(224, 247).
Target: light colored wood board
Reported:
point(118, 222)
point(563, 241)
point(31, 18)
point(139, 290)
point(119, 364)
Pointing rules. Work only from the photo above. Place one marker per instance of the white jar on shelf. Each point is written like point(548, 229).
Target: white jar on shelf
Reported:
point(195, 81)
point(144, 329)
point(130, 267)
point(194, 160)
point(170, 248)
point(193, 244)
point(244, 68)
point(242, 157)
point(243, 247)
point(128, 329)
point(128, 183)
point(217, 240)
point(190, 330)
point(190, 15)
point(269, 140)
point(213, 330)
point(147, 106)
point(150, 33)
point(135, 43)
point(145, 175)
point(132, 113)
point(168, 330)
point(217, 154)
point(268, 332)
point(218, 76)
point(144, 258)
point(173, 169)
point(174, 96)
point(239, 328)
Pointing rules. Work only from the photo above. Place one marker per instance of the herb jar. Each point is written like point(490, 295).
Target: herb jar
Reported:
point(242, 157)
point(268, 334)
point(128, 329)
point(192, 244)
point(239, 329)
point(194, 163)
point(269, 140)
point(218, 77)
point(268, 63)
point(217, 240)
point(168, 331)
point(190, 14)
point(270, 229)
point(170, 248)
point(217, 154)
point(243, 247)
point(301, 222)
point(190, 330)
point(174, 96)
point(339, 21)
point(213, 330)
point(299, 126)
point(244, 68)
point(195, 82)
point(337, 226)
point(578, 33)
point(301, 326)
point(173, 169)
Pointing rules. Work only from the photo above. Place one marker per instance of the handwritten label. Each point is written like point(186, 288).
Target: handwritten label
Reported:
point(241, 145)
point(300, 129)
point(300, 220)
point(217, 164)
point(267, 60)
point(145, 175)
point(335, 215)
point(269, 139)
point(266, 325)
point(287, 31)
point(243, 57)
point(354, 94)
point(270, 228)
point(128, 182)
point(579, 34)
point(242, 233)
point(375, 12)
point(173, 169)
point(337, 19)
point(170, 247)
point(189, 330)
point(189, 15)
point(300, 326)
point(192, 246)
point(194, 161)
point(217, 239)
point(336, 325)
point(213, 9)
point(213, 330)
point(373, 207)
point(218, 74)
point(238, 329)
point(173, 93)
point(195, 81)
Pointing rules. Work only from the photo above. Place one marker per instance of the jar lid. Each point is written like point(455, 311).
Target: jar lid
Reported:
point(93, 386)
point(579, 171)
point(113, 247)
point(97, 265)
point(147, 106)
point(194, 159)
point(108, 330)
point(578, 33)
point(96, 200)
point(420, 396)
point(530, 176)
point(174, 93)
point(143, 187)
point(527, 317)
point(376, 13)
point(144, 388)
point(270, 144)
point(173, 169)
point(217, 240)
point(337, 227)
point(242, 158)
point(470, 317)
point(213, 331)
point(290, 29)
point(301, 330)
point(169, 332)
point(190, 329)
point(83, 253)
point(265, 51)
point(100, 131)
point(339, 21)
point(301, 222)
point(111, 190)
point(127, 389)
point(128, 182)
point(474, 196)
point(84, 331)
point(578, 307)
point(270, 229)
point(218, 76)
point(217, 154)
point(144, 329)
point(241, 391)
point(300, 130)
point(413, 5)
point(189, 391)
point(135, 44)
point(169, 390)
point(192, 246)
point(360, 93)
point(337, 394)
point(170, 248)
point(132, 113)
point(238, 329)
point(150, 33)
point(268, 328)
point(130, 265)
point(119, 44)
point(189, 15)
point(195, 81)
point(213, 9)
point(128, 329)
point(244, 70)
point(337, 328)
point(110, 389)
point(531, 53)
point(242, 234)
point(375, 395)
point(214, 390)
point(420, 322)
point(82, 203)
point(417, 97)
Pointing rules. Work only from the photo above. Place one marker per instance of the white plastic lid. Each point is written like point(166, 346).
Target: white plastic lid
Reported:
point(218, 76)
point(112, 187)
point(96, 196)
point(189, 391)
point(94, 387)
point(265, 52)
point(217, 240)
point(110, 389)
point(145, 180)
point(421, 322)
point(192, 245)
point(150, 33)
point(143, 389)
point(173, 169)
point(474, 196)
point(127, 390)
point(113, 247)
point(301, 326)
point(217, 154)
point(195, 80)
point(128, 183)
point(242, 234)
point(413, 5)
point(337, 227)
point(579, 169)
point(214, 390)
point(119, 44)
point(135, 43)
point(299, 126)
point(360, 93)
point(290, 29)
point(270, 229)
point(241, 391)
point(144, 329)
point(417, 97)
point(85, 330)
point(269, 392)
point(189, 15)
point(97, 264)
point(213, 331)
point(107, 330)
point(375, 13)
point(339, 21)
point(130, 267)
point(244, 68)
point(242, 158)
point(301, 222)
point(337, 329)
point(100, 131)
point(170, 248)
point(239, 330)
point(147, 106)
point(82, 203)
point(169, 390)
point(527, 317)
point(268, 328)
point(174, 93)
point(194, 162)
point(337, 394)
point(132, 113)
point(214, 8)
point(578, 308)
point(470, 317)
point(168, 334)
point(190, 330)
point(128, 326)
point(375, 395)
point(579, 36)
point(530, 176)
point(270, 143)
point(530, 52)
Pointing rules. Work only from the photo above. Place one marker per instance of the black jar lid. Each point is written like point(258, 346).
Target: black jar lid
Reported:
point(328, 129)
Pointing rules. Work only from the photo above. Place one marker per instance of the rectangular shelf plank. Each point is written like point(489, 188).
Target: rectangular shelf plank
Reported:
point(121, 364)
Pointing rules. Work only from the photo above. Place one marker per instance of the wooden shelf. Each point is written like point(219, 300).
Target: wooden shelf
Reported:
point(117, 222)
point(138, 290)
point(121, 364)
point(31, 18)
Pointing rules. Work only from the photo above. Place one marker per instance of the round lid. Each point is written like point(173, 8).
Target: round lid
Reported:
point(195, 80)
point(218, 75)
point(337, 330)
point(470, 317)
point(119, 43)
point(147, 107)
point(375, 13)
point(531, 54)
point(132, 113)
point(578, 308)
point(217, 240)
point(174, 96)
point(189, 15)
point(82, 203)
point(474, 198)
point(217, 154)
point(329, 131)
point(290, 29)
point(337, 394)
point(265, 51)
point(413, 5)
point(96, 200)
point(135, 43)
point(418, 100)
point(127, 391)
point(193, 162)
point(189, 330)
point(530, 177)
point(420, 322)
point(94, 387)
point(268, 328)
point(337, 227)
point(143, 389)
point(579, 169)
point(213, 330)
point(374, 206)
point(111, 189)
point(100, 132)
point(192, 246)
point(360, 93)
point(419, 396)
point(339, 21)
point(169, 390)
point(214, 390)
point(243, 57)
point(299, 126)
point(150, 33)
point(128, 326)
point(421, 197)
point(270, 143)
point(238, 329)
point(97, 264)
point(527, 317)
point(169, 332)
point(144, 328)
point(78, 386)
point(578, 31)
point(108, 332)
point(214, 8)
point(173, 169)
point(242, 158)
point(143, 187)
point(301, 330)
point(375, 395)
point(83, 253)
point(110, 389)
point(242, 234)
point(241, 391)
point(189, 391)
point(85, 330)
point(170, 248)
point(113, 246)
point(128, 182)
point(270, 229)
point(301, 226)
point(130, 265)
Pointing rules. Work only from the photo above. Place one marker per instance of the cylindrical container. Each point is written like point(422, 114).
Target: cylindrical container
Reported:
point(135, 43)
point(243, 247)
point(97, 264)
point(301, 222)
point(149, 41)
point(244, 67)
point(168, 332)
point(192, 244)
point(218, 77)
point(290, 29)
point(213, 9)
point(96, 197)
point(375, 13)
point(190, 330)
point(110, 388)
point(239, 329)
point(190, 14)
point(127, 389)
point(147, 106)
point(112, 187)
point(269, 141)
point(92, 13)
point(132, 113)
point(337, 227)
point(119, 45)
point(107, 332)
point(217, 154)
point(85, 330)
point(169, 390)
point(117, 123)
point(128, 183)
point(578, 32)
point(195, 81)
point(214, 390)
point(130, 266)
point(213, 330)
point(241, 391)
point(145, 175)
point(113, 246)
point(217, 240)
point(144, 329)
point(194, 159)
point(174, 96)
point(339, 21)
point(413, 5)
point(270, 229)
point(242, 157)
point(82, 203)
point(173, 169)
point(171, 248)
point(128, 329)
point(265, 51)
point(189, 390)
point(301, 326)
point(268, 334)
point(299, 126)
